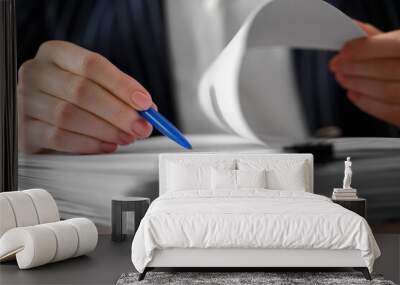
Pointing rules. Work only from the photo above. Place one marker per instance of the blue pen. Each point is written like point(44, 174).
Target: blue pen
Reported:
point(165, 127)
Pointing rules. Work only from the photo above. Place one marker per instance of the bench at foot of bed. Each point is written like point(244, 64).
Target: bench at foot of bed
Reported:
point(363, 270)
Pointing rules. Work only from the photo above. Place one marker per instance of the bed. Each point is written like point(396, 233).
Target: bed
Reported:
point(246, 211)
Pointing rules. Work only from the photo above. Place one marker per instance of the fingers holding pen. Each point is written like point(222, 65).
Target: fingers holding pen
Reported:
point(69, 117)
point(47, 136)
point(75, 100)
point(98, 69)
point(88, 96)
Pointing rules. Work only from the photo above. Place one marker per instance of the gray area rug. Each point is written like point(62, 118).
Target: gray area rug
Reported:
point(232, 278)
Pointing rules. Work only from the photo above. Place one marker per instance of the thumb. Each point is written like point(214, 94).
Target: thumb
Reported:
point(368, 28)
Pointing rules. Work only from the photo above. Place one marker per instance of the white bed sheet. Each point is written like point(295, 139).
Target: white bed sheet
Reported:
point(250, 219)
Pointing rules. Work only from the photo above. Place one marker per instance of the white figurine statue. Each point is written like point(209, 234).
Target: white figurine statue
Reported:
point(348, 173)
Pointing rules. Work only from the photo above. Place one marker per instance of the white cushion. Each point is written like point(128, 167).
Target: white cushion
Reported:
point(7, 218)
point(34, 244)
point(67, 239)
point(282, 174)
point(251, 178)
point(183, 178)
point(46, 207)
point(226, 179)
point(87, 233)
point(23, 208)
point(193, 174)
point(31, 246)
point(223, 179)
point(26, 208)
point(40, 244)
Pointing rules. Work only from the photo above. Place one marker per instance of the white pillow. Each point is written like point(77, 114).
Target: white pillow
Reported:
point(193, 174)
point(223, 179)
point(251, 178)
point(237, 179)
point(181, 177)
point(282, 174)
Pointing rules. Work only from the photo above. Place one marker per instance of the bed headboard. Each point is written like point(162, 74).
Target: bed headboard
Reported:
point(165, 158)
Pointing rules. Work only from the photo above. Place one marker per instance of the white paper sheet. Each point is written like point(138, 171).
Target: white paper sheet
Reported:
point(249, 89)
point(83, 185)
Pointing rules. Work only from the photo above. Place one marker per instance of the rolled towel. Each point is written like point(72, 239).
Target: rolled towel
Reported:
point(37, 245)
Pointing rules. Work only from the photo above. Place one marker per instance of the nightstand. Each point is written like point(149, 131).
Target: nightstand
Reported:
point(358, 206)
point(127, 212)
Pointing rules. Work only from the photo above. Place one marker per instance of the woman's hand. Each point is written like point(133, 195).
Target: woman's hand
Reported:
point(74, 100)
point(369, 68)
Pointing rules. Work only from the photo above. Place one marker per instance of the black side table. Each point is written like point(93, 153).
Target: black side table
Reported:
point(123, 208)
point(358, 206)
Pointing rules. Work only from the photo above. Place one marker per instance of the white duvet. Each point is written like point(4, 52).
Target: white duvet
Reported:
point(250, 219)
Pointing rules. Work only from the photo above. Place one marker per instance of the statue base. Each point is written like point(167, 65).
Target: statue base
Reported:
point(344, 194)
point(347, 190)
